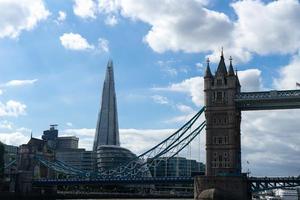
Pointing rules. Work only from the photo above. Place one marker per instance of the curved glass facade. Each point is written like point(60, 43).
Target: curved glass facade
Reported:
point(111, 156)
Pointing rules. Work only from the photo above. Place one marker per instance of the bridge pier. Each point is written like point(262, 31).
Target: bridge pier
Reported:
point(222, 188)
point(24, 182)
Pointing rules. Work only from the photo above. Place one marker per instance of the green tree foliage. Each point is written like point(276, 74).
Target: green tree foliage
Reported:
point(1, 160)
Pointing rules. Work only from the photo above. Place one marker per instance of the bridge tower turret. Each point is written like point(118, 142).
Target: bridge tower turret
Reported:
point(223, 143)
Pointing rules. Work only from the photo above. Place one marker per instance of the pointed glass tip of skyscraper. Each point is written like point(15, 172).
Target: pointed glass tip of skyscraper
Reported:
point(107, 128)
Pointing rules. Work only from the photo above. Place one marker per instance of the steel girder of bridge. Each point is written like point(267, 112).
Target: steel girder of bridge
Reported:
point(113, 181)
point(257, 183)
point(264, 183)
point(268, 100)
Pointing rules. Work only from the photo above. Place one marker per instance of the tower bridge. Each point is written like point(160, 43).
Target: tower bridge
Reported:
point(224, 103)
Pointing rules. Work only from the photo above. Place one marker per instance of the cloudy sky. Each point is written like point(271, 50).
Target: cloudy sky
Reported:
point(53, 56)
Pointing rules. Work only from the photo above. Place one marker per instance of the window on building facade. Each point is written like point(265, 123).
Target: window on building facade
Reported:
point(219, 96)
point(221, 160)
point(220, 140)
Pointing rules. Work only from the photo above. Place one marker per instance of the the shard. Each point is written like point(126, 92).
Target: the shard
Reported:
point(107, 129)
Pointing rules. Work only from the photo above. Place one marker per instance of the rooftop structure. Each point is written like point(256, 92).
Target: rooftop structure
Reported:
point(67, 142)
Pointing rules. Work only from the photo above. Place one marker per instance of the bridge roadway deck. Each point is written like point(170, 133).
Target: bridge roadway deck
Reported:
point(268, 100)
point(111, 181)
point(257, 183)
point(268, 183)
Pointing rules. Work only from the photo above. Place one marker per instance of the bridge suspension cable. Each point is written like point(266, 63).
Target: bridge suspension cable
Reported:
point(139, 166)
point(169, 147)
point(9, 164)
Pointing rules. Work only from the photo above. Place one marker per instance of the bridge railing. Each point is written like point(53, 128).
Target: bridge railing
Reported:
point(273, 94)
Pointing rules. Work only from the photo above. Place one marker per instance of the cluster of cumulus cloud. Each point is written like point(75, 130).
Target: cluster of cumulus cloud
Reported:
point(193, 27)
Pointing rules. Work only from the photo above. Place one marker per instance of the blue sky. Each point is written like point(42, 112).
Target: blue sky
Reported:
point(54, 53)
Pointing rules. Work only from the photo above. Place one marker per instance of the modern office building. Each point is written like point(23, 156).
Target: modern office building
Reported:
point(77, 158)
point(66, 150)
point(176, 166)
point(110, 156)
point(50, 134)
point(107, 148)
point(68, 142)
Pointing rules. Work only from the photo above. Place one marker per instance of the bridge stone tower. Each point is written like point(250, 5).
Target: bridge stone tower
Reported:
point(223, 140)
point(223, 179)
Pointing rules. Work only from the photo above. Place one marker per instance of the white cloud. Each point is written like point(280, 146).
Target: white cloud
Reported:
point(270, 142)
point(289, 74)
point(17, 16)
point(160, 99)
point(15, 83)
point(12, 108)
point(24, 130)
point(176, 26)
point(199, 66)
point(89, 9)
point(184, 108)
point(103, 45)
point(108, 6)
point(239, 54)
point(61, 16)
point(192, 86)
point(250, 80)
point(75, 41)
point(6, 125)
point(167, 68)
point(180, 118)
point(111, 20)
point(69, 124)
point(190, 27)
point(86, 132)
point(85, 9)
point(147, 138)
point(13, 138)
point(277, 22)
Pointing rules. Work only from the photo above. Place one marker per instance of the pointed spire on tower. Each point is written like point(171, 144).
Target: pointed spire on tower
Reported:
point(110, 63)
point(208, 73)
point(107, 129)
point(222, 54)
point(237, 78)
point(231, 70)
point(221, 70)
